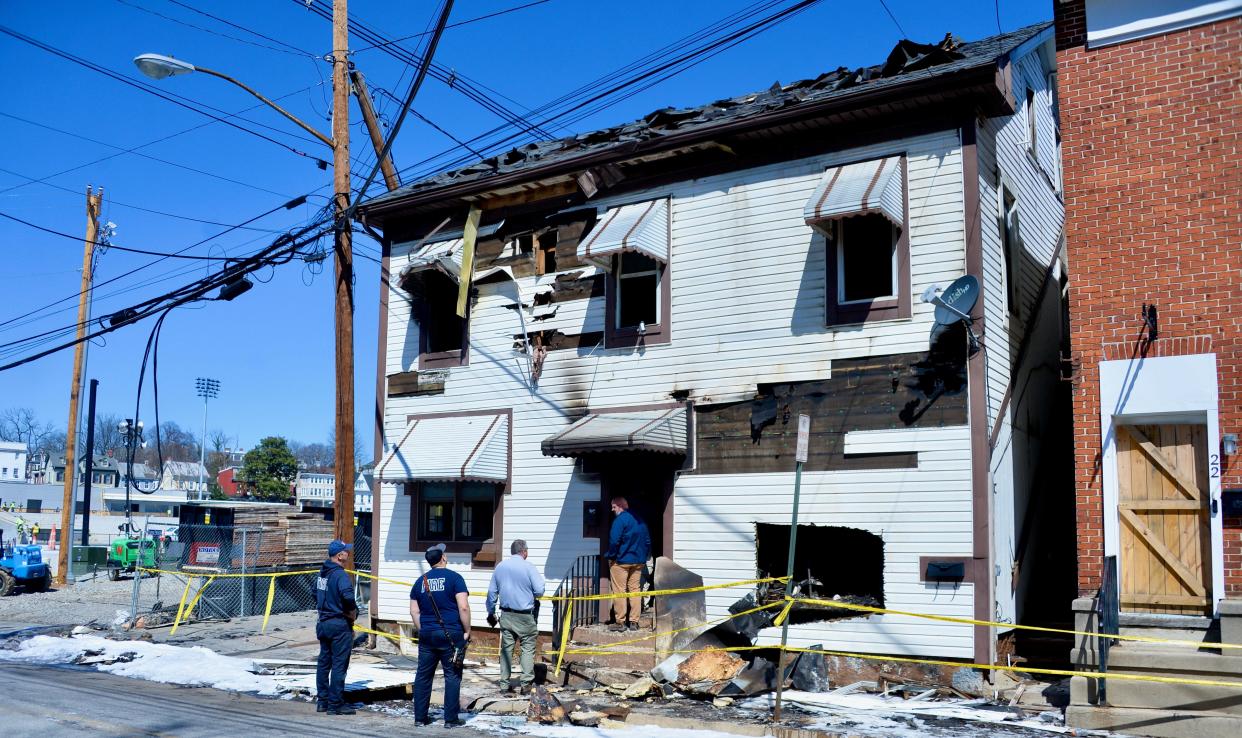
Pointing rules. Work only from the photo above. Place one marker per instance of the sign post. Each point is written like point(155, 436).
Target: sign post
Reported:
point(800, 457)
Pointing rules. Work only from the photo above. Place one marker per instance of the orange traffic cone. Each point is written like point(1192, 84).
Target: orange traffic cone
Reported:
point(51, 540)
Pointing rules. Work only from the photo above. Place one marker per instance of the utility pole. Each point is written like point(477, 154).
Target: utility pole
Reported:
point(206, 389)
point(343, 510)
point(94, 204)
point(90, 454)
point(367, 107)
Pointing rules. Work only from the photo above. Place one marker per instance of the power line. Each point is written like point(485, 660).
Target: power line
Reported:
point(173, 98)
point(122, 149)
point(251, 31)
point(453, 25)
point(996, 7)
point(105, 244)
point(134, 150)
point(187, 24)
point(894, 19)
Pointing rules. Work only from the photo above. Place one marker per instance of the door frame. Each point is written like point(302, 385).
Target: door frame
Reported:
point(1157, 391)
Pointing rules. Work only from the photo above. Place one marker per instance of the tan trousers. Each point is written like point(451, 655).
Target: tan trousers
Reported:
point(626, 578)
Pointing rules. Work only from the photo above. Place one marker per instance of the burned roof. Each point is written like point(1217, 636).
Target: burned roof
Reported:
point(907, 63)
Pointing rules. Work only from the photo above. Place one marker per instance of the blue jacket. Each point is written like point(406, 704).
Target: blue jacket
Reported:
point(629, 541)
point(334, 593)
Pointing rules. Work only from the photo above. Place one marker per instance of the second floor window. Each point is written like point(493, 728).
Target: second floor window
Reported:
point(866, 253)
point(442, 332)
point(638, 291)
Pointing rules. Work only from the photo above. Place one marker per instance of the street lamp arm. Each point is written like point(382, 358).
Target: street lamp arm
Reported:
point(270, 103)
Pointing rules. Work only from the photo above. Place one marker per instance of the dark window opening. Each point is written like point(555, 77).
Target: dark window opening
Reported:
point(638, 291)
point(545, 255)
point(867, 258)
point(1012, 237)
point(455, 511)
point(441, 328)
point(1031, 123)
point(830, 563)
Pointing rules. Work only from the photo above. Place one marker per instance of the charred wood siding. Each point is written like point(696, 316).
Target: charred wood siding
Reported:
point(876, 393)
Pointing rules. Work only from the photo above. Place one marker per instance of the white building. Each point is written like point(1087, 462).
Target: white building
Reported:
point(189, 476)
point(12, 461)
point(318, 490)
point(654, 305)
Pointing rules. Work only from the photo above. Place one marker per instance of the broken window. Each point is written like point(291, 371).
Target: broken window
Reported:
point(545, 253)
point(442, 332)
point(454, 511)
point(830, 563)
point(866, 259)
point(1012, 247)
point(1031, 123)
point(638, 288)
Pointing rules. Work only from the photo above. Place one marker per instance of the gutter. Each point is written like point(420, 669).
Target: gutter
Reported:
point(988, 74)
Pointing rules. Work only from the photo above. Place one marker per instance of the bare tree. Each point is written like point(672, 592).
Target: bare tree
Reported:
point(107, 435)
point(358, 451)
point(22, 425)
point(217, 441)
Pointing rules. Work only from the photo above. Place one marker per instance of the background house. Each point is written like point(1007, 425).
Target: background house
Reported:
point(190, 476)
point(656, 303)
point(13, 461)
point(1150, 105)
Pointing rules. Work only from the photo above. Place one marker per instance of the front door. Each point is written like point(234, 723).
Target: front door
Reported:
point(647, 485)
point(1165, 557)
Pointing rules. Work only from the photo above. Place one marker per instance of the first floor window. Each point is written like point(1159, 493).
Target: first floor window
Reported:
point(455, 511)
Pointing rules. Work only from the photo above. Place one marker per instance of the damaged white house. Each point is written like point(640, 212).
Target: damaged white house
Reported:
point(651, 307)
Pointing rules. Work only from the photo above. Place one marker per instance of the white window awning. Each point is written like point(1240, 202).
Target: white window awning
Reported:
point(875, 186)
point(641, 228)
point(456, 447)
point(441, 256)
point(659, 431)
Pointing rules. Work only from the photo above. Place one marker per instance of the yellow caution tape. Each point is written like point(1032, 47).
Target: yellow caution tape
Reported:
point(994, 624)
point(657, 634)
point(569, 618)
point(181, 606)
point(221, 575)
point(267, 611)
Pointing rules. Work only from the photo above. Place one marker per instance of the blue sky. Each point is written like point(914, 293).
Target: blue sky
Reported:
point(272, 348)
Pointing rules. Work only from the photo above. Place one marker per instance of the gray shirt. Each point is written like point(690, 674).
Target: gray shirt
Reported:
point(515, 584)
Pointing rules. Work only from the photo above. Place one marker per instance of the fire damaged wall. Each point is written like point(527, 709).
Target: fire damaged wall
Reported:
point(873, 393)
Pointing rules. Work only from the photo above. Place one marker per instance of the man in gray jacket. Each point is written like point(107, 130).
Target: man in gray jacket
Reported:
point(516, 586)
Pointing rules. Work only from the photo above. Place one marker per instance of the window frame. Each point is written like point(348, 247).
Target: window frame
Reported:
point(897, 307)
point(840, 256)
point(1011, 248)
point(473, 547)
point(661, 332)
point(1032, 123)
point(441, 359)
point(543, 249)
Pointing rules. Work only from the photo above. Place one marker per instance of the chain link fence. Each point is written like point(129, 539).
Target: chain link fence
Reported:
point(231, 570)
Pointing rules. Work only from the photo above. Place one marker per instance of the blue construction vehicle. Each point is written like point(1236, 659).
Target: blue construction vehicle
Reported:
point(23, 565)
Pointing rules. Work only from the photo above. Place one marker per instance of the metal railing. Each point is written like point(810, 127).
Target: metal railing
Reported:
point(582, 579)
point(1108, 616)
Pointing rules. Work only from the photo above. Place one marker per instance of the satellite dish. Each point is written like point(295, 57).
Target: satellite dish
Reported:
point(954, 304)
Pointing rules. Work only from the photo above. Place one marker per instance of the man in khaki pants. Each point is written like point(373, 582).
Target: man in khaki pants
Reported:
point(629, 545)
point(516, 586)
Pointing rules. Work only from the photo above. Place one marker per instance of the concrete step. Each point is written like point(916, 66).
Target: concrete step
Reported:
point(1143, 658)
point(1156, 695)
point(1154, 722)
point(600, 635)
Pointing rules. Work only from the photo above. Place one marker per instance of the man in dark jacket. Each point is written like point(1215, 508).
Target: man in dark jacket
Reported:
point(334, 598)
point(629, 545)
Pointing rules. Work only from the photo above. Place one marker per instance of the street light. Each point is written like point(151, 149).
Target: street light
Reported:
point(206, 389)
point(158, 66)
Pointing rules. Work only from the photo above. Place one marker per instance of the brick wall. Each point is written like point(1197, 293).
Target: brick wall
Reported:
point(1150, 148)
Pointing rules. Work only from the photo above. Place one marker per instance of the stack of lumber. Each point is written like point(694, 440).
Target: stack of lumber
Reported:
point(306, 538)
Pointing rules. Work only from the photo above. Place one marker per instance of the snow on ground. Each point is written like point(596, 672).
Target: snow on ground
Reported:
point(517, 725)
point(156, 662)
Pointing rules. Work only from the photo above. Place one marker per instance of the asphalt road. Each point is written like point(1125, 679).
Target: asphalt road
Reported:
point(60, 701)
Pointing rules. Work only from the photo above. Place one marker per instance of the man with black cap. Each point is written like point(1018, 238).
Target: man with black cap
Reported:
point(440, 611)
point(334, 597)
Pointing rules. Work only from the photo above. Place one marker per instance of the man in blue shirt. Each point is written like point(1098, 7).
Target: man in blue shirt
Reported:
point(516, 586)
point(440, 611)
point(629, 545)
point(334, 598)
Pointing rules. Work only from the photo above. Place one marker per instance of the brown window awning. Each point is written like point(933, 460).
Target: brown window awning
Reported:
point(658, 431)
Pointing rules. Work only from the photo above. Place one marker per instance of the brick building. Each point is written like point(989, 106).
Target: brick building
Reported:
point(1149, 111)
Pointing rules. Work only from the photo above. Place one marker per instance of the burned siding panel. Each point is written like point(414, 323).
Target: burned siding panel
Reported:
point(878, 393)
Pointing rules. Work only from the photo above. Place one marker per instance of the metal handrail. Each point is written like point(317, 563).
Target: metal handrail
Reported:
point(1108, 617)
point(582, 579)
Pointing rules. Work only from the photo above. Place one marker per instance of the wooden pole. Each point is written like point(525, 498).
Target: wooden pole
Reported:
point(343, 510)
point(377, 138)
point(94, 203)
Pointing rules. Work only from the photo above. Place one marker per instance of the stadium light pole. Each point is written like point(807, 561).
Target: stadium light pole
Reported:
point(206, 389)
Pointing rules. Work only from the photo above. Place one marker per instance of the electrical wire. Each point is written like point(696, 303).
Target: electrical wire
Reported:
point(122, 149)
point(893, 18)
point(251, 31)
point(179, 100)
point(454, 25)
point(187, 24)
point(106, 244)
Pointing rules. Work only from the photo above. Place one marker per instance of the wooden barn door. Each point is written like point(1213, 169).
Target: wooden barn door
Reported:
point(1163, 510)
